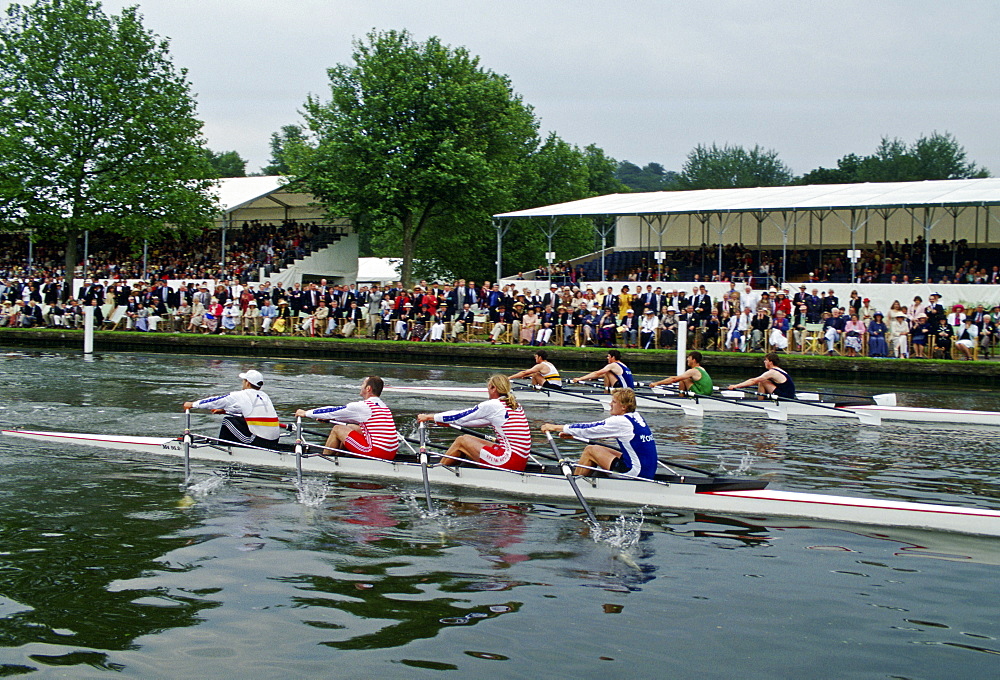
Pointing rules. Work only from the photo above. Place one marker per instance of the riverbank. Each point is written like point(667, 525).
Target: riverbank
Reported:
point(982, 373)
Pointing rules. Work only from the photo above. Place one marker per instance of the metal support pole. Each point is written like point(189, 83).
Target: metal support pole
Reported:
point(682, 341)
point(298, 452)
point(222, 252)
point(88, 329)
point(187, 446)
point(86, 255)
point(145, 254)
point(31, 254)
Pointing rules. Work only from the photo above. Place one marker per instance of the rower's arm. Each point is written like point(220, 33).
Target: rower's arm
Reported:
point(595, 374)
point(525, 373)
point(750, 382)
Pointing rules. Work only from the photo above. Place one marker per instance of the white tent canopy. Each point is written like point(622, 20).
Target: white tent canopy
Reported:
point(941, 193)
point(821, 216)
point(267, 199)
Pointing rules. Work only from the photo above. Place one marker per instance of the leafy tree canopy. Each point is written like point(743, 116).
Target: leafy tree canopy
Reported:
point(415, 134)
point(938, 156)
point(712, 167)
point(650, 177)
point(98, 128)
point(226, 163)
point(281, 147)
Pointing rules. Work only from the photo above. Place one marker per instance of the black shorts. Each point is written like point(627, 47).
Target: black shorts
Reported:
point(620, 465)
point(235, 430)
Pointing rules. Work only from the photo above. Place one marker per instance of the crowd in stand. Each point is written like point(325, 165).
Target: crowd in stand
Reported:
point(884, 262)
point(249, 248)
point(744, 319)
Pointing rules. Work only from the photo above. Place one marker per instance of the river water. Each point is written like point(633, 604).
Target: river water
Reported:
point(107, 564)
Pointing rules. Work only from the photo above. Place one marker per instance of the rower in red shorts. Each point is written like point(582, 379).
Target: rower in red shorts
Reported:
point(363, 427)
point(502, 412)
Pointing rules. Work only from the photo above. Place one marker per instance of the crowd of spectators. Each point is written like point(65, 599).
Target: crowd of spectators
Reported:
point(883, 262)
point(250, 248)
point(744, 319)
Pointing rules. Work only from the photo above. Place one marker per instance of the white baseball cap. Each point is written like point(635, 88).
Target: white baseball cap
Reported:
point(253, 377)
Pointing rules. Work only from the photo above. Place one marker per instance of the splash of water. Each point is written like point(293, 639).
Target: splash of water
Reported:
point(311, 493)
point(207, 486)
point(623, 535)
point(746, 463)
point(418, 506)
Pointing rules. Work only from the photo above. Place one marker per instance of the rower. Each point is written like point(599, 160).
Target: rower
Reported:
point(636, 453)
point(616, 374)
point(250, 416)
point(774, 380)
point(695, 379)
point(543, 374)
point(364, 427)
point(501, 411)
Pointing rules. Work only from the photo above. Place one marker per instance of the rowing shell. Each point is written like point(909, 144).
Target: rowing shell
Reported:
point(735, 405)
point(710, 494)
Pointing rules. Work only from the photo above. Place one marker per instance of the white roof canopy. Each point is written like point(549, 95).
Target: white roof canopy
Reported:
point(264, 198)
point(955, 192)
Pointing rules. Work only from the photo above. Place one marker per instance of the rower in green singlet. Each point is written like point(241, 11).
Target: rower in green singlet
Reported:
point(696, 379)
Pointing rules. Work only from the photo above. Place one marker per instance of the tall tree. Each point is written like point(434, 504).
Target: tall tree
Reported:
point(98, 128)
point(416, 132)
point(281, 147)
point(712, 167)
point(226, 163)
point(937, 156)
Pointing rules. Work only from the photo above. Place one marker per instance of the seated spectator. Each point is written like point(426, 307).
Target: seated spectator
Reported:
point(854, 335)
point(967, 337)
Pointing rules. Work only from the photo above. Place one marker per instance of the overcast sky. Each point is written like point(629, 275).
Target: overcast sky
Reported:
point(645, 80)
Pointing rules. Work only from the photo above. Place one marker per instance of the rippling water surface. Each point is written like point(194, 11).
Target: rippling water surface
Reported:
point(107, 564)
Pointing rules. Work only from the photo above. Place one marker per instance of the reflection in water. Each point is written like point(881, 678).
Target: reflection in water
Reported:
point(104, 565)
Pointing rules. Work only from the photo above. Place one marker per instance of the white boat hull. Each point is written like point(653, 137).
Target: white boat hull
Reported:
point(742, 407)
point(614, 492)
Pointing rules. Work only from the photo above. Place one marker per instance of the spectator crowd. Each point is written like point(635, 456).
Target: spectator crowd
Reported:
point(743, 319)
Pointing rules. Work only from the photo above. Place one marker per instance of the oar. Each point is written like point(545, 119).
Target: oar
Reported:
point(689, 409)
point(863, 417)
point(317, 433)
point(773, 410)
point(492, 438)
point(567, 471)
point(422, 436)
point(682, 466)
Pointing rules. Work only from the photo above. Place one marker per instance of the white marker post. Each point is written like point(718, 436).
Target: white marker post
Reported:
point(88, 330)
point(682, 345)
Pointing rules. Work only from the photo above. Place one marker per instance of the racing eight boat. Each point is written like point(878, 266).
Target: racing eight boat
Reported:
point(703, 492)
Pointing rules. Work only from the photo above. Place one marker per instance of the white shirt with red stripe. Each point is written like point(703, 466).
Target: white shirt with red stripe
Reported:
point(511, 428)
point(255, 407)
point(374, 417)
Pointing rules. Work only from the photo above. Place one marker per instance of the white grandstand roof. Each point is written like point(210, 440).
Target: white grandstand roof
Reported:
point(241, 193)
point(953, 192)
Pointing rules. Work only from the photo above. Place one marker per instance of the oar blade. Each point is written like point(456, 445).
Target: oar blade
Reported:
point(776, 411)
point(694, 410)
point(885, 399)
point(866, 418)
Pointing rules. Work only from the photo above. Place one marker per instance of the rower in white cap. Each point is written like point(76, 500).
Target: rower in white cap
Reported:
point(250, 416)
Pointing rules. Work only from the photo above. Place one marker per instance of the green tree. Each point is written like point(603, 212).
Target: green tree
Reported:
point(650, 177)
point(226, 163)
point(98, 129)
point(282, 144)
point(712, 167)
point(415, 134)
point(937, 156)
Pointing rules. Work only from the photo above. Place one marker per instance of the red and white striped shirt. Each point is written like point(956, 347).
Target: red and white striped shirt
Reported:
point(374, 417)
point(511, 428)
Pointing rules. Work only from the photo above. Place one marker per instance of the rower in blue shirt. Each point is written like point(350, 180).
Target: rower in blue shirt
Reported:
point(636, 452)
point(616, 374)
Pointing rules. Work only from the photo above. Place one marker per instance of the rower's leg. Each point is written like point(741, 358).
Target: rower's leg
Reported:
point(464, 446)
point(595, 456)
point(338, 434)
point(685, 383)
